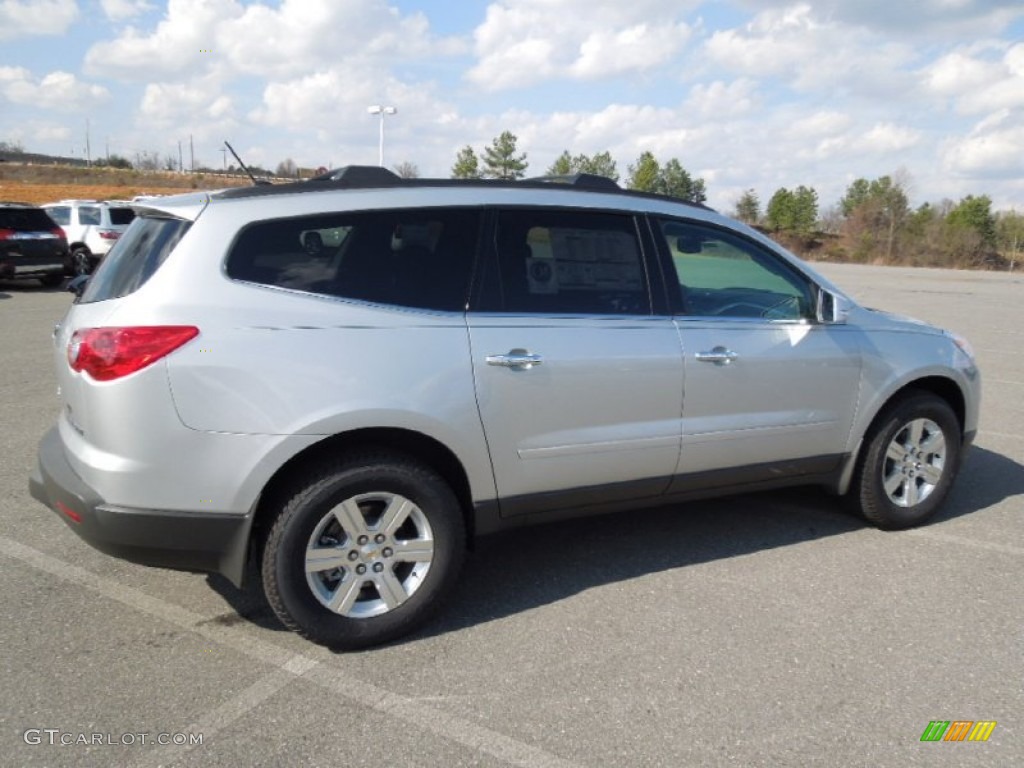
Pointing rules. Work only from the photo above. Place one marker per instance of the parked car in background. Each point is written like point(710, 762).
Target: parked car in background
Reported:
point(31, 244)
point(91, 227)
point(446, 359)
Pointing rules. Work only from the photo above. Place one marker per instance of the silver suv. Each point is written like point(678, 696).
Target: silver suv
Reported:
point(444, 360)
point(91, 227)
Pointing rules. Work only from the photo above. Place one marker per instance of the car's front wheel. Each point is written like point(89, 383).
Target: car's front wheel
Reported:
point(363, 551)
point(912, 454)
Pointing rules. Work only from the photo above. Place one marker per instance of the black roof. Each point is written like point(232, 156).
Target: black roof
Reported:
point(374, 177)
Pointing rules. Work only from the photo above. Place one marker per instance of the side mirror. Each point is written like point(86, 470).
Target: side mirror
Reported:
point(77, 285)
point(689, 243)
point(833, 308)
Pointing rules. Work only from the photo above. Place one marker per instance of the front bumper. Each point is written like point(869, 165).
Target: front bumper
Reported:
point(189, 541)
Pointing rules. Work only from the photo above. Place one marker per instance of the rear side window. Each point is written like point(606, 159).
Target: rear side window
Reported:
point(26, 220)
point(410, 258)
point(121, 216)
point(88, 216)
point(566, 262)
point(60, 214)
point(135, 258)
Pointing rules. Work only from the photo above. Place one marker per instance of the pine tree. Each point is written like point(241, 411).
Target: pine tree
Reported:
point(466, 164)
point(501, 160)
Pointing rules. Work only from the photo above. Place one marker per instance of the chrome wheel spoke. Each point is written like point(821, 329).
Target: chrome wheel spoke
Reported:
point(326, 559)
point(935, 443)
point(390, 589)
point(931, 474)
point(912, 493)
point(916, 432)
point(395, 515)
point(414, 551)
point(345, 596)
point(350, 518)
point(896, 451)
point(894, 483)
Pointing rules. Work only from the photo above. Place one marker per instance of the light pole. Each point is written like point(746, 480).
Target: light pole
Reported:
point(377, 109)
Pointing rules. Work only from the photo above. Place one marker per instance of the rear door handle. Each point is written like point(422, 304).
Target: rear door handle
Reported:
point(718, 356)
point(519, 359)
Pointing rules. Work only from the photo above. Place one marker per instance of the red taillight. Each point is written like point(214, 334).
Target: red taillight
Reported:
point(109, 234)
point(69, 512)
point(6, 234)
point(110, 353)
point(58, 232)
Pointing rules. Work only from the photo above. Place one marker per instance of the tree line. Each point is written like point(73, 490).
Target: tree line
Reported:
point(874, 222)
point(503, 160)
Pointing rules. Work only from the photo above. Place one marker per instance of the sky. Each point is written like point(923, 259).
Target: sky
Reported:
point(748, 94)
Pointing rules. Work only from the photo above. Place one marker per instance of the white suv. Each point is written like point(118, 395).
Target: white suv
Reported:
point(91, 228)
point(447, 359)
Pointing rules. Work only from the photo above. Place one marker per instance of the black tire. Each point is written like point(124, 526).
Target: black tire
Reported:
point(308, 523)
point(52, 280)
point(919, 479)
point(81, 261)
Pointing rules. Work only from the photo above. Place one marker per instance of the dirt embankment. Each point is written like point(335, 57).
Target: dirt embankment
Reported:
point(47, 184)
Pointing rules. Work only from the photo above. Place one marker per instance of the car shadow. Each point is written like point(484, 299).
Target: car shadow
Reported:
point(531, 567)
point(29, 286)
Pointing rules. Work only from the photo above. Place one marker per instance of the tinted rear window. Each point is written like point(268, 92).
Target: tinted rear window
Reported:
point(26, 220)
point(121, 216)
point(135, 258)
point(410, 258)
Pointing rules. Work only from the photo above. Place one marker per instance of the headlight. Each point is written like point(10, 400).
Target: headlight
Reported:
point(964, 344)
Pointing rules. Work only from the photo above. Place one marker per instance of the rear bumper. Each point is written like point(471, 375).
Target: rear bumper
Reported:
point(190, 541)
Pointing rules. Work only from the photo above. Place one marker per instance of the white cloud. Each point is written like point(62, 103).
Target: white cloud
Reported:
point(879, 139)
point(821, 124)
point(122, 10)
point(925, 18)
point(976, 82)
point(271, 41)
point(56, 90)
point(522, 42)
point(994, 148)
point(177, 45)
point(170, 105)
point(719, 99)
point(25, 18)
point(809, 54)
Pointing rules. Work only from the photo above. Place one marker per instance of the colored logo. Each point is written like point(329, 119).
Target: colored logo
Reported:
point(958, 730)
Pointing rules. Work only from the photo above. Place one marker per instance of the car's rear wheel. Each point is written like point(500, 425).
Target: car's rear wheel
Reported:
point(81, 261)
point(363, 551)
point(911, 456)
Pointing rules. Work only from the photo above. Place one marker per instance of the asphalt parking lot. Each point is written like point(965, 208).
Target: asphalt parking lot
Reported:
point(762, 630)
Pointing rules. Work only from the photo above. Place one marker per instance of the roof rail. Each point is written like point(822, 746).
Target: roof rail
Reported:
point(360, 175)
point(582, 180)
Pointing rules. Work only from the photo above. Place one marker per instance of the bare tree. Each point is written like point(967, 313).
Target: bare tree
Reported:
point(287, 168)
point(407, 170)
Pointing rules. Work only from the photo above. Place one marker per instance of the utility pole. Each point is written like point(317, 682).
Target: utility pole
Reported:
point(192, 154)
point(224, 157)
point(181, 166)
point(88, 149)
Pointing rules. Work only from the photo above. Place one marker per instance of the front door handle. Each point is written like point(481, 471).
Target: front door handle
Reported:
point(718, 356)
point(519, 359)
